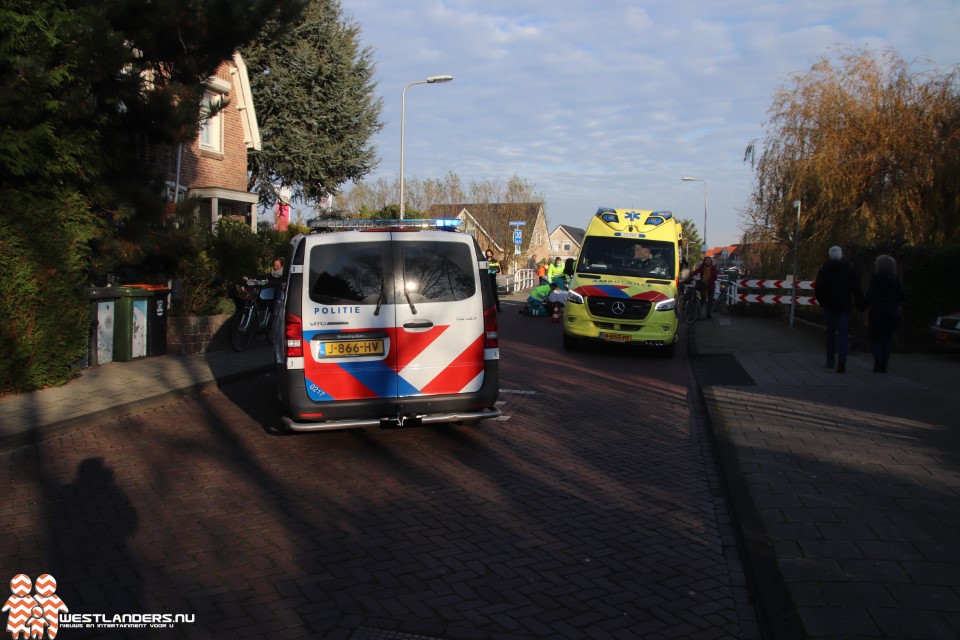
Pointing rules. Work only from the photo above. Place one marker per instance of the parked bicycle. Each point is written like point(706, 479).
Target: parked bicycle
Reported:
point(255, 315)
point(721, 294)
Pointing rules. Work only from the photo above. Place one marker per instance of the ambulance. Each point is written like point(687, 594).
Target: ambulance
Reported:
point(386, 323)
point(625, 281)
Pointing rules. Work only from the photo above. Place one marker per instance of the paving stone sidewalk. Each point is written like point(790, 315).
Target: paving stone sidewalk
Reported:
point(846, 487)
point(120, 388)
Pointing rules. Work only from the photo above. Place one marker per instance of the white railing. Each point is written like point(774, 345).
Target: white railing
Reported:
point(521, 280)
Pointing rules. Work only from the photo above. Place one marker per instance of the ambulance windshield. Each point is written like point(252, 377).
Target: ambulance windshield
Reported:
point(632, 257)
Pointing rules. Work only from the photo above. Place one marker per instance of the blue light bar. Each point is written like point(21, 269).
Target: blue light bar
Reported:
point(607, 214)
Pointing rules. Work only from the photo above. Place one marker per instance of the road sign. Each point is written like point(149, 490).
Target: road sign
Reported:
point(517, 237)
point(518, 224)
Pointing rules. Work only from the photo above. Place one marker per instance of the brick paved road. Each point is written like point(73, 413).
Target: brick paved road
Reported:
point(591, 510)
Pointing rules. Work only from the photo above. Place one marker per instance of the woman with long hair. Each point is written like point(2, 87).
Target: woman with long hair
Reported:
point(883, 299)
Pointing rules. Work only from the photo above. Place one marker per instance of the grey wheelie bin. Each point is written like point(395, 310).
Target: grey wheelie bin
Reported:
point(102, 317)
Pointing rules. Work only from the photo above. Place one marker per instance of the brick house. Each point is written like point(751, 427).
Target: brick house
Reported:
point(490, 225)
point(213, 167)
point(565, 241)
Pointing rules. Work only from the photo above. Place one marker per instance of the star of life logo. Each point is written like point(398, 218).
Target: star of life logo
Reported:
point(42, 613)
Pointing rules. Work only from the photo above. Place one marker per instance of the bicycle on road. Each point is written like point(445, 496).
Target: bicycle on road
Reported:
point(690, 303)
point(255, 315)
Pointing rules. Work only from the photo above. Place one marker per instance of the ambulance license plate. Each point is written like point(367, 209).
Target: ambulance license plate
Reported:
point(350, 348)
point(615, 337)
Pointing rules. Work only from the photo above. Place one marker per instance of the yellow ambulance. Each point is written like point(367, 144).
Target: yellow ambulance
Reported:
point(624, 286)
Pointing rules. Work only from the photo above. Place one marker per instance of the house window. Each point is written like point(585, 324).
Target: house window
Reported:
point(211, 123)
point(168, 193)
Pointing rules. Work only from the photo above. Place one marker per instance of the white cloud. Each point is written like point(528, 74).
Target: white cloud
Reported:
point(612, 103)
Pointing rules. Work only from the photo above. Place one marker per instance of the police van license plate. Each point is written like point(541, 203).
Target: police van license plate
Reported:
point(615, 337)
point(349, 348)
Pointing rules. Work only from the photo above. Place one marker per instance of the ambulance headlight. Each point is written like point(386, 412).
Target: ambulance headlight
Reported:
point(666, 305)
point(574, 298)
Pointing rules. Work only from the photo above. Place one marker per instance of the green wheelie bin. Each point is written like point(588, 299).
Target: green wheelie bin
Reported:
point(130, 324)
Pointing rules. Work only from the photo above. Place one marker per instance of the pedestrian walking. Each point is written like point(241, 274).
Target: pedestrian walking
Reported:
point(836, 286)
point(493, 270)
point(882, 301)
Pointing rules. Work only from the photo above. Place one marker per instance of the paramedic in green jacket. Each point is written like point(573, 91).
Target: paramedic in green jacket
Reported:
point(537, 301)
point(555, 270)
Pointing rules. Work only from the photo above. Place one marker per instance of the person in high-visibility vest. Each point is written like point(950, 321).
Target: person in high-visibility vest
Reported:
point(493, 269)
point(538, 299)
point(542, 272)
point(555, 270)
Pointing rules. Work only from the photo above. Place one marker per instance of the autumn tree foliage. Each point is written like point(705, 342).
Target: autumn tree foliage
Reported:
point(869, 144)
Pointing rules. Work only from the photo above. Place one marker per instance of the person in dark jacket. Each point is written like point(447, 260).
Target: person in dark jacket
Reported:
point(836, 286)
point(883, 300)
point(708, 280)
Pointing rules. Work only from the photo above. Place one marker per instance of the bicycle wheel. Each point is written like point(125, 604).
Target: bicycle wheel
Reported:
point(720, 304)
point(691, 308)
point(242, 328)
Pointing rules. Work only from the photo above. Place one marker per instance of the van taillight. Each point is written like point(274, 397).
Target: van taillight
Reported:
point(293, 334)
point(491, 333)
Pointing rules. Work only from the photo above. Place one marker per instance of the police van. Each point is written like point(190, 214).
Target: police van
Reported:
point(625, 281)
point(386, 323)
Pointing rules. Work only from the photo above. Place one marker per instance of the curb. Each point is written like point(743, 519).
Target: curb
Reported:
point(777, 615)
point(54, 429)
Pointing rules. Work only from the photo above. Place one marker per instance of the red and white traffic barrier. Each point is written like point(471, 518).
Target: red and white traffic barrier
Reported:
point(775, 298)
point(774, 284)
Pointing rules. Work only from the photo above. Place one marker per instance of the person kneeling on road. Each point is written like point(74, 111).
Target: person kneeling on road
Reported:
point(537, 301)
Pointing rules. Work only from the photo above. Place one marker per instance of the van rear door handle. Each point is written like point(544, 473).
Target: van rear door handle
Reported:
point(423, 324)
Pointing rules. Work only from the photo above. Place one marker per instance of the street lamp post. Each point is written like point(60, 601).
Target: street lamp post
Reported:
point(403, 109)
point(690, 179)
point(796, 248)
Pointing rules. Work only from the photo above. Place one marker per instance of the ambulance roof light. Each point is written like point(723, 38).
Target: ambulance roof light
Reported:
point(608, 215)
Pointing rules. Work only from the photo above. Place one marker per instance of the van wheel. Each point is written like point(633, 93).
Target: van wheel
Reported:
point(570, 343)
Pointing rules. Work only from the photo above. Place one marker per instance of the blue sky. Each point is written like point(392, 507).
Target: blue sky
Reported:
point(612, 102)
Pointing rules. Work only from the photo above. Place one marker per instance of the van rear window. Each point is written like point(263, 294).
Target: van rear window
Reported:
point(438, 271)
point(347, 273)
